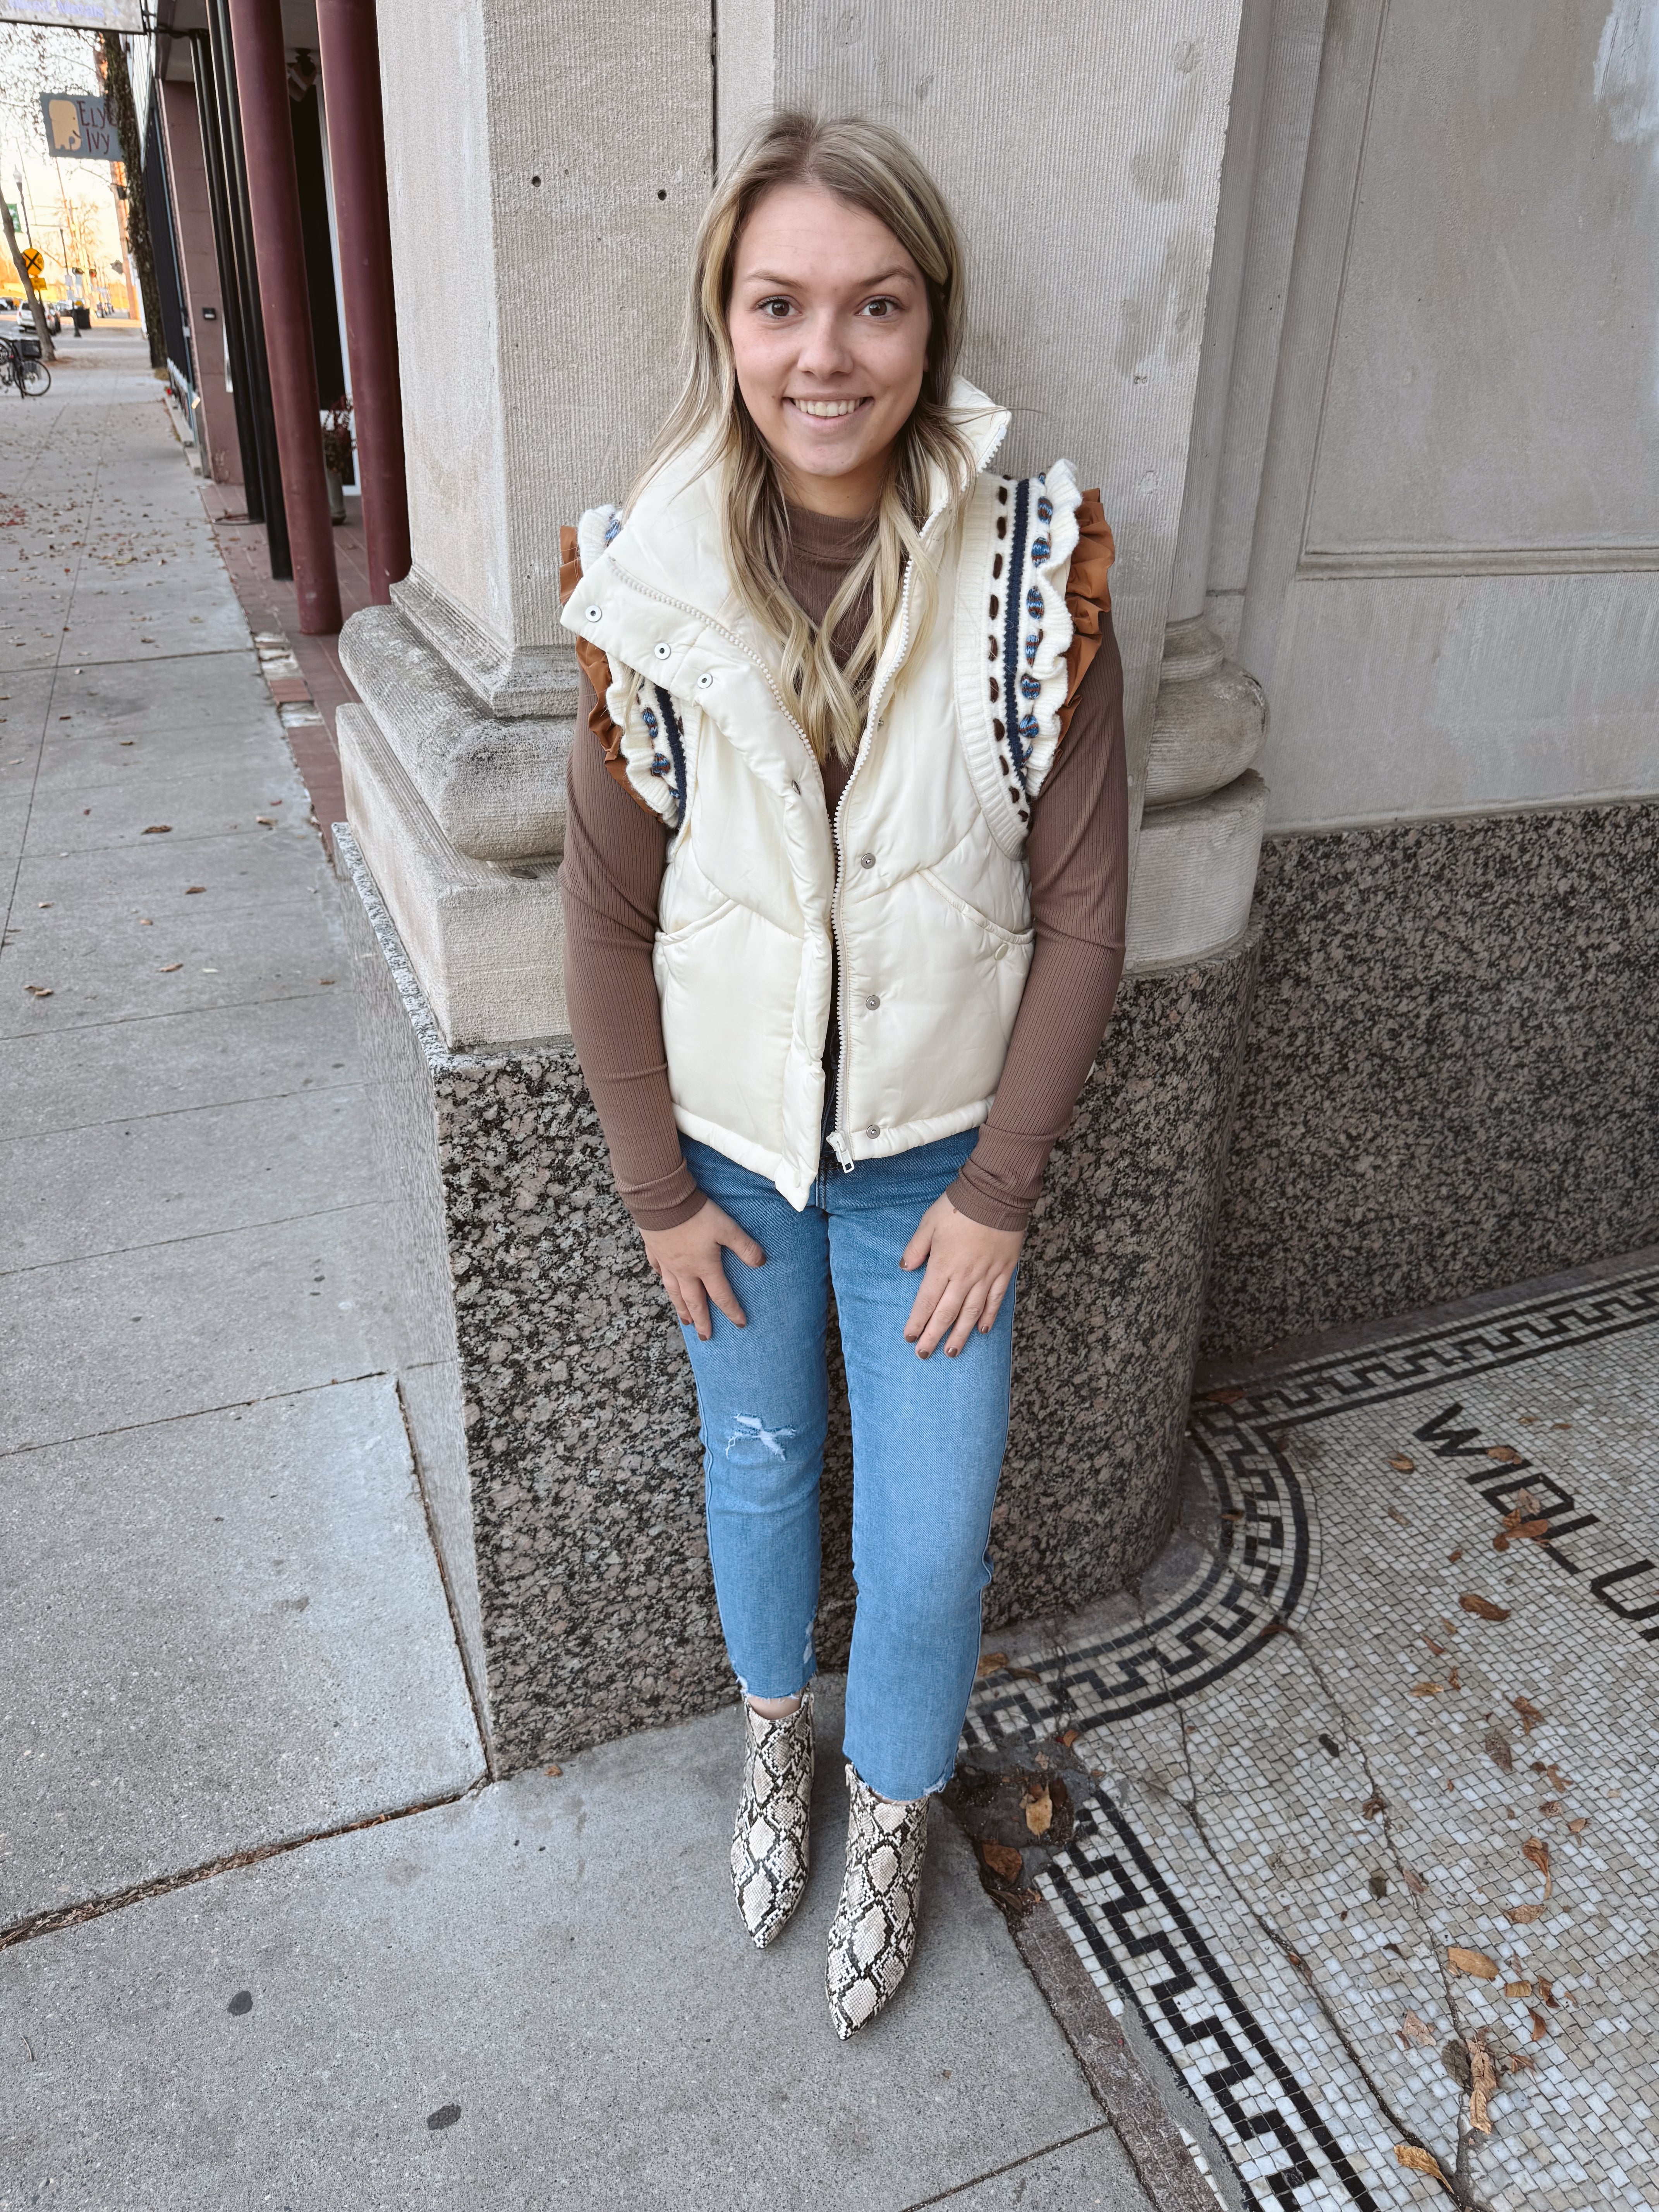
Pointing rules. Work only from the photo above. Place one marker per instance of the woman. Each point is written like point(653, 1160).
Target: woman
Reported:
point(844, 887)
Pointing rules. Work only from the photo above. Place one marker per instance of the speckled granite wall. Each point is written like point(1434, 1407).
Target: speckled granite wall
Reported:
point(1452, 1076)
point(574, 1510)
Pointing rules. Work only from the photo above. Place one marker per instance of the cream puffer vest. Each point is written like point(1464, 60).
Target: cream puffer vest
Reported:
point(920, 884)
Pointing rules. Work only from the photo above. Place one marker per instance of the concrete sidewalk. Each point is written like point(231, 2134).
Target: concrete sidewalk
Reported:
point(228, 1644)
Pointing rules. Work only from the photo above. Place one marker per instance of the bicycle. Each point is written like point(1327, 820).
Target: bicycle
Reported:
point(21, 365)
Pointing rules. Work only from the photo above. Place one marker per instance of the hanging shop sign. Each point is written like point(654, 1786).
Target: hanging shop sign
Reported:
point(133, 15)
point(79, 127)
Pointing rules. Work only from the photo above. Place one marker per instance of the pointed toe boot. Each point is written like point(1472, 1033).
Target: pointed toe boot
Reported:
point(873, 1937)
point(771, 1838)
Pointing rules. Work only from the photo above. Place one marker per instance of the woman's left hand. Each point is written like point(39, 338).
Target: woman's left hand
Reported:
point(970, 1269)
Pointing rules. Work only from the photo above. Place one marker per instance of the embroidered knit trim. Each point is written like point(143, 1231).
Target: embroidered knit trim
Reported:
point(636, 722)
point(1030, 627)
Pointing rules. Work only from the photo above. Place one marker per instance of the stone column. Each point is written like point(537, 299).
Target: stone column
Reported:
point(547, 1391)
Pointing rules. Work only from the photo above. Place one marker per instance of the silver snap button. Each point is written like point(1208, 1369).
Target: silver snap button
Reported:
point(1002, 952)
point(871, 1003)
point(703, 682)
point(874, 1130)
point(594, 614)
point(662, 652)
point(866, 859)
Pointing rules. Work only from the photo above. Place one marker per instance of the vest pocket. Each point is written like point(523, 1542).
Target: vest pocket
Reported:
point(1007, 940)
point(666, 938)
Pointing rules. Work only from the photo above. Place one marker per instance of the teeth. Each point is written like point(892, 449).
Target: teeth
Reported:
point(828, 408)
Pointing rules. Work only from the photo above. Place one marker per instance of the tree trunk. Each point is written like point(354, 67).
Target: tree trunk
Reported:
point(117, 91)
point(48, 351)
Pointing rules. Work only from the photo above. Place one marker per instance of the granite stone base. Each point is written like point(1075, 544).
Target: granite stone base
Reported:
point(550, 1400)
point(1452, 1076)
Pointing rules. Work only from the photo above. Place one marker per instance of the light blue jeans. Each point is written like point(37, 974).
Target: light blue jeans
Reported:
point(928, 1436)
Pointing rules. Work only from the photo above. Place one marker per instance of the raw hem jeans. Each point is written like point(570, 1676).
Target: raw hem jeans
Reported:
point(928, 1437)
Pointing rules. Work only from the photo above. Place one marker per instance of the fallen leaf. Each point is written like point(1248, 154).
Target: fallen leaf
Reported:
point(1540, 2026)
point(1400, 1517)
point(1560, 1780)
point(1472, 1962)
point(1523, 1915)
point(1517, 1989)
point(990, 1663)
point(158, 829)
point(1546, 1991)
point(553, 1770)
point(1530, 1715)
point(1560, 1425)
point(1003, 1859)
point(1536, 1853)
point(1452, 1557)
point(1040, 1813)
point(1485, 2083)
point(1551, 1809)
point(1482, 1608)
point(327, 979)
point(1373, 1805)
point(265, 821)
point(1413, 1882)
point(1426, 1689)
point(1222, 1397)
point(1420, 2161)
point(38, 990)
point(191, 890)
point(172, 966)
point(1506, 1453)
point(1526, 1502)
point(1498, 1748)
point(1522, 2061)
point(1439, 1649)
point(1068, 1737)
point(1578, 1827)
point(1453, 1680)
point(1401, 1464)
point(1416, 2031)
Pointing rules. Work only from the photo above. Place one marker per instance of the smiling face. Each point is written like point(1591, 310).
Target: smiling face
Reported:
point(828, 321)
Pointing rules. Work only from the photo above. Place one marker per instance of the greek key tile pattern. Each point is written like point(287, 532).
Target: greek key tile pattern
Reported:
point(1376, 1819)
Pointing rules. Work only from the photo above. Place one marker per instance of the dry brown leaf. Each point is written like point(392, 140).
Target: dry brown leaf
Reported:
point(1482, 1608)
point(1439, 1649)
point(1500, 1749)
point(1557, 1778)
point(1540, 2026)
point(191, 890)
point(990, 1663)
point(1522, 2061)
point(1506, 1453)
point(1530, 1714)
point(1578, 1827)
point(1546, 1991)
point(553, 1770)
point(1523, 1915)
point(1040, 1813)
point(1222, 1397)
point(1004, 1861)
point(1400, 1517)
point(158, 829)
point(1416, 2031)
point(1068, 1737)
point(1527, 1501)
point(1452, 1557)
point(1401, 1464)
point(38, 990)
point(1551, 1809)
point(173, 968)
point(1426, 1689)
point(1414, 1881)
point(1472, 1962)
point(1517, 1989)
point(1454, 1682)
point(1420, 2161)
point(1373, 1805)
point(1485, 2077)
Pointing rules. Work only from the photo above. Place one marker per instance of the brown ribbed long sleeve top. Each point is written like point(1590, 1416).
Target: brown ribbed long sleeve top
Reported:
point(1077, 854)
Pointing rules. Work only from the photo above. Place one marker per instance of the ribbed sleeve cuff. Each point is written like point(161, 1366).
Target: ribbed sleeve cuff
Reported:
point(990, 1210)
point(665, 1205)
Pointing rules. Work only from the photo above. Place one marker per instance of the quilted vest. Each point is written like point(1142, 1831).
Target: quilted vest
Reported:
point(919, 885)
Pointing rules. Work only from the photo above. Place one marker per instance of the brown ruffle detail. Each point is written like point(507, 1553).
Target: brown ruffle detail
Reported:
point(596, 667)
point(1088, 597)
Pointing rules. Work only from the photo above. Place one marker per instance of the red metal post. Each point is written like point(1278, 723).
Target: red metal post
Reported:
point(357, 147)
point(273, 193)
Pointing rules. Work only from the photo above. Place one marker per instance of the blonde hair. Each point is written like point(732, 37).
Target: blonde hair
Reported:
point(871, 167)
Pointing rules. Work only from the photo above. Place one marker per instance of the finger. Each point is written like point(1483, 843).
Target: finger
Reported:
point(945, 1309)
point(676, 1298)
point(740, 1242)
point(927, 1297)
point(725, 1298)
point(987, 1320)
point(921, 1244)
point(972, 1306)
point(696, 1309)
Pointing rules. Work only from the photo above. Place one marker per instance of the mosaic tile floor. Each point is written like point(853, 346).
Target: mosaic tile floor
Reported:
point(1375, 1751)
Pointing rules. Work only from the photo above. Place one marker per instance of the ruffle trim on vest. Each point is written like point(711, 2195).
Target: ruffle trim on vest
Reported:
point(636, 723)
point(1088, 600)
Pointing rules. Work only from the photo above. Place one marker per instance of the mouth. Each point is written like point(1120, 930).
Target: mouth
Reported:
point(827, 410)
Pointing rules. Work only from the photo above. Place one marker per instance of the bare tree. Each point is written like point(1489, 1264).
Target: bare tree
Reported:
point(117, 91)
point(48, 352)
point(28, 55)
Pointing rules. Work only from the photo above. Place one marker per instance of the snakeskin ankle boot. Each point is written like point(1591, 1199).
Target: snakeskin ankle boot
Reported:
point(873, 1937)
point(771, 1840)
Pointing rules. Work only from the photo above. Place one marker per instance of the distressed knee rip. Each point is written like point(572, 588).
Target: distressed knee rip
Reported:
point(750, 1443)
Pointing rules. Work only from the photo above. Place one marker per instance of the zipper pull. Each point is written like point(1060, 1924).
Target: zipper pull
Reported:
point(842, 1152)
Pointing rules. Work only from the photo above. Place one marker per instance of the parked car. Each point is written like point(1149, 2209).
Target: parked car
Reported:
point(26, 319)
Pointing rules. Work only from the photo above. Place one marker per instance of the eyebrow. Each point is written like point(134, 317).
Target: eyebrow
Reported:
point(866, 284)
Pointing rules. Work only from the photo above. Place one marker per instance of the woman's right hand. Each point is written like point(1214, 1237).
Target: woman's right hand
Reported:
point(687, 1259)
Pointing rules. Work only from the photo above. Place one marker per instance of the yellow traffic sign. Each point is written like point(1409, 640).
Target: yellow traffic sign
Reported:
point(33, 262)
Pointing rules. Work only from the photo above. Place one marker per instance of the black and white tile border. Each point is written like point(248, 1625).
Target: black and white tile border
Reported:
point(1303, 2110)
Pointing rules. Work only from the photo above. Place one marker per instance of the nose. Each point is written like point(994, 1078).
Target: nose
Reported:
point(824, 351)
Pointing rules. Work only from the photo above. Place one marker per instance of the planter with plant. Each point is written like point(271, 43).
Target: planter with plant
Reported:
point(338, 447)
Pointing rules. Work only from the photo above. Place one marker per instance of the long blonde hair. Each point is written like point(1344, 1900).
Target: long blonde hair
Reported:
point(871, 167)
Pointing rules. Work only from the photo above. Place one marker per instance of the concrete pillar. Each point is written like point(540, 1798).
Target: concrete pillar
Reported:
point(356, 144)
point(192, 212)
point(274, 196)
point(545, 1385)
